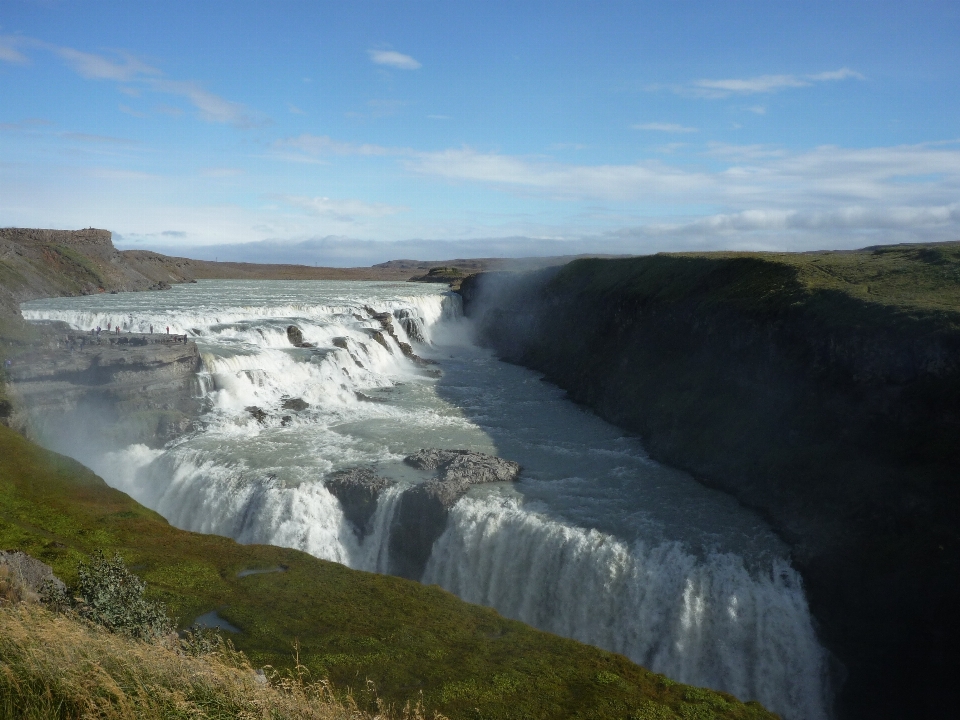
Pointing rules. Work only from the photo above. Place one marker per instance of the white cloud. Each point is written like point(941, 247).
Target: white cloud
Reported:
point(8, 51)
point(130, 111)
point(294, 109)
point(213, 108)
point(758, 109)
point(394, 59)
point(221, 172)
point(665, 127)
point(137, 76)
point(748, 86)
point(318, 145)
point(558, 180)
point(98, 67)
point(341, 210)
point(90, 138)
point(841, 74)
point(761, 84)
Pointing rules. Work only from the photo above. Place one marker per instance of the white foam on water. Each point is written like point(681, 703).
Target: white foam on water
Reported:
point(705, 621)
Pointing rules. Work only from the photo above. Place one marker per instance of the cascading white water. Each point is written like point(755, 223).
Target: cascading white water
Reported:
point(704, 621)
point(595, 542)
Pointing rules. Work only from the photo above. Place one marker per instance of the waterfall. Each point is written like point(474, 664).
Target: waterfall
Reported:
point(701, 621)
point(594, 543)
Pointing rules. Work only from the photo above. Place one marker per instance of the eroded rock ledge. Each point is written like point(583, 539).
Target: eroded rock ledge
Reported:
point(125, 388)
point(421, 514)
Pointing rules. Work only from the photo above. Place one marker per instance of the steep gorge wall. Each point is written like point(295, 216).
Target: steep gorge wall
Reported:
point(79, 392)
point(838, 419)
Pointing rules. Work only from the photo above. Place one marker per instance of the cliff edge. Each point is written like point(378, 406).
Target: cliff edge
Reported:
point(821, 389)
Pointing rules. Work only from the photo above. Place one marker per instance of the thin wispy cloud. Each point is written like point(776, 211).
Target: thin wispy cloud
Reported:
point(99, 67)
point(221, 172)
point(211, 107)
point(341, 210)
point(762, 84)
point(136, 76)
point(294, 109)
point(9, 52)
point(91, 138)
point(665, 127)
point(319, 145)
point(130, 111)
point(393, 59)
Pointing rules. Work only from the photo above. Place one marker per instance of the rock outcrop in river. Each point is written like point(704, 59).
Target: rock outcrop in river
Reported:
point(822, 390)
point(422, 510)
point(358, 490)
point(421, 516)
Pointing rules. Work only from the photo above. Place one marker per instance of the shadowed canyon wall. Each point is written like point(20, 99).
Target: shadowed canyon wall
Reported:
point(832, 410)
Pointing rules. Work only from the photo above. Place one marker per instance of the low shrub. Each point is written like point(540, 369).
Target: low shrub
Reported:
point(108, 594)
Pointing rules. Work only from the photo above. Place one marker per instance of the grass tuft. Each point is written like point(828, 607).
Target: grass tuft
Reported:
point(55, 666)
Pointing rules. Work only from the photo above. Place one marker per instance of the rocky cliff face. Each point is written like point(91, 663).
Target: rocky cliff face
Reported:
point(74, 392)
point(836, 418)
point(80, 393)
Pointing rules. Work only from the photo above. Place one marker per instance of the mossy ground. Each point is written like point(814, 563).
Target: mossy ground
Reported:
point(909, 278)
point(407, 638)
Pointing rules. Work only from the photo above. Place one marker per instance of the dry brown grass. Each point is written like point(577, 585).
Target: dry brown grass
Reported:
point(54, 666)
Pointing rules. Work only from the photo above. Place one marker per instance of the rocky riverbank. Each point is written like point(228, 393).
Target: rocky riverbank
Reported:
point(822, 390)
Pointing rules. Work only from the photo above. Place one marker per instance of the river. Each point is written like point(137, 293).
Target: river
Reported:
point(595, 541)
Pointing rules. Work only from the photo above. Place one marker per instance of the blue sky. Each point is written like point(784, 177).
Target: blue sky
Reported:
point(356, 132)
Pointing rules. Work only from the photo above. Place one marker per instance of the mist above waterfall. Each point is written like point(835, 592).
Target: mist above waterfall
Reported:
point(595, 541)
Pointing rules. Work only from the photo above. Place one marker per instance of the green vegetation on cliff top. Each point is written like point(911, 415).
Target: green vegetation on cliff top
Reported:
point(907, 278)
point(407, 638)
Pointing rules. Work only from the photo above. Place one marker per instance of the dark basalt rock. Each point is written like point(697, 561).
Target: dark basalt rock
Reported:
point(465, 466)
point(295, 336)
point(421, 516)
point(105, 392)
point(358, 490)
point(297, 404)
point(410, 324)
point(386, 322)
point(366, 398)
point(379, 338)
point(257, 414)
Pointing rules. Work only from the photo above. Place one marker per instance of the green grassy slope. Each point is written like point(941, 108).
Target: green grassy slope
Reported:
point(407, 638)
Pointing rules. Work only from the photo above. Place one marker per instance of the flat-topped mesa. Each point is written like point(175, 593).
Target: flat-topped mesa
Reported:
point(87, 239)
point(36, 263)
point(421, 516)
